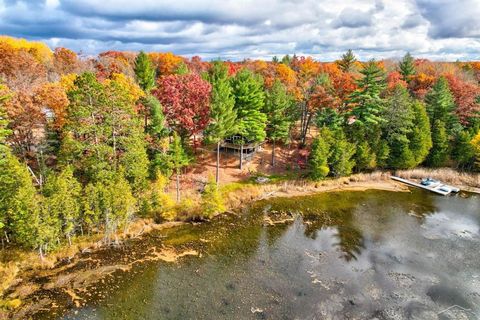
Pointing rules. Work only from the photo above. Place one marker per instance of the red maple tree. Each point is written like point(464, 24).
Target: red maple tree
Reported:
point(186, 102)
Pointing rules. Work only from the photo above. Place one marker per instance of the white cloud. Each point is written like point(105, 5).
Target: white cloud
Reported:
point(444, 29)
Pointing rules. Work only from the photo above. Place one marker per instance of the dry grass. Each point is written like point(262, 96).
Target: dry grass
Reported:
point(443, 174)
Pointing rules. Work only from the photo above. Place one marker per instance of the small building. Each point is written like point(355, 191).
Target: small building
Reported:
point(239, 145)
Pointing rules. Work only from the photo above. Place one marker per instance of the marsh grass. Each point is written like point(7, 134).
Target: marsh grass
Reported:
point(446, 175)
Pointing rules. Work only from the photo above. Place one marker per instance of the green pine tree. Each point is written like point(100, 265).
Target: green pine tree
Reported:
point(398, 125)
point(145, 72)
point(318, 158)
point(439, 153)
point(279, 121)
point(249, 102)
point(347, 63)
point(440, 106)
point(420, 136)
point(367, 106)
point(407, 67)
point(19, 209)
point(463, 152)
point(108, 203)
point(341, 154)
point(63, 202)
point(222, 113)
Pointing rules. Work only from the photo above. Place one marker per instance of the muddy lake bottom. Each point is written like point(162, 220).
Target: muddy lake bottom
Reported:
point(340, 255)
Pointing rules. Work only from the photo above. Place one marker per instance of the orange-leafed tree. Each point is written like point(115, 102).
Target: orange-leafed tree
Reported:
point(465, 95)
point(166, 62)
point(19, 69)
point(65, 61)
point(52, 100)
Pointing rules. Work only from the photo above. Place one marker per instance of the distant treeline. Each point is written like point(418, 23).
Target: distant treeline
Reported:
point(87, 144)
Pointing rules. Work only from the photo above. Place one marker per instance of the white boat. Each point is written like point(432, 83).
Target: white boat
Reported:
point(430, 185)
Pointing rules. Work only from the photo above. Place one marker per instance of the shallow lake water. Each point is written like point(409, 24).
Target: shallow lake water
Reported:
point(346, 255)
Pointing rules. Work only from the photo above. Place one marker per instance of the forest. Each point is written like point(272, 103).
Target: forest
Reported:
point(89, 144)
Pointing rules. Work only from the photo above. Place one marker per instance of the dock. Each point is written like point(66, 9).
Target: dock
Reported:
point(442, 189)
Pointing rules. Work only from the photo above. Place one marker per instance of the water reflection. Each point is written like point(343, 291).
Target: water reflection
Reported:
point(359, 255)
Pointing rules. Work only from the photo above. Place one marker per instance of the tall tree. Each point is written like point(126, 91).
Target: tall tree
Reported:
point(444, 122)
point(178, 158)
point(341, 160)
point(19, 207)
point(103, 131)
point(366, 106)
point(186, 102)
point(277, 109)
point(441, 105)
point(249, 102)
point(318, 158)
point(420, 137)
point(407, 67)
point(319, 97)
point(222, 113)
point(347, 63)
point(144, 72)
point(439, 153)
point(398, 125)
point(108, 203)
point(62, 201)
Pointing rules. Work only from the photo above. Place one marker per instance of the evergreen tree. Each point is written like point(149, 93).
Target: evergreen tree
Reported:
point(103, 131)
point(463, 152)
point(476, 149)
point(347, 63)
point(19, 210)
point(440, 150)
point(441, 106)
point(318, 158)
point(366, 101)
point(212, 201)
point(407, 67)
point(399, 115)
point(367, 106)
point(222, 104)
point(19, 207)
point(420, 136)
point(329, 118)
point(277, 107)
point(145, 72)
point(445, 124)
point(341, 155)
point(286, 60)
point(178, 159)
point(156, 127)
point(63, 202)
point(249, 102)
point(108, 203)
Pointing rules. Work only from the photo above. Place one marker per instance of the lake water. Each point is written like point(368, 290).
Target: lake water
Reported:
point(346, 255)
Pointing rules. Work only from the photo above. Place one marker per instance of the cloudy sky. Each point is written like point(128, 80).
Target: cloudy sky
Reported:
point(236, 29)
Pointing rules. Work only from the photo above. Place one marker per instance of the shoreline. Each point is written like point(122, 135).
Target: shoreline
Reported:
point(30, 266)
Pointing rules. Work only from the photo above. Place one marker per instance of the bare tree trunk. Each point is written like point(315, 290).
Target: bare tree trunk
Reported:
point(273, 154)
point(217, 173)
point(178, 186)
point(241, 156)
